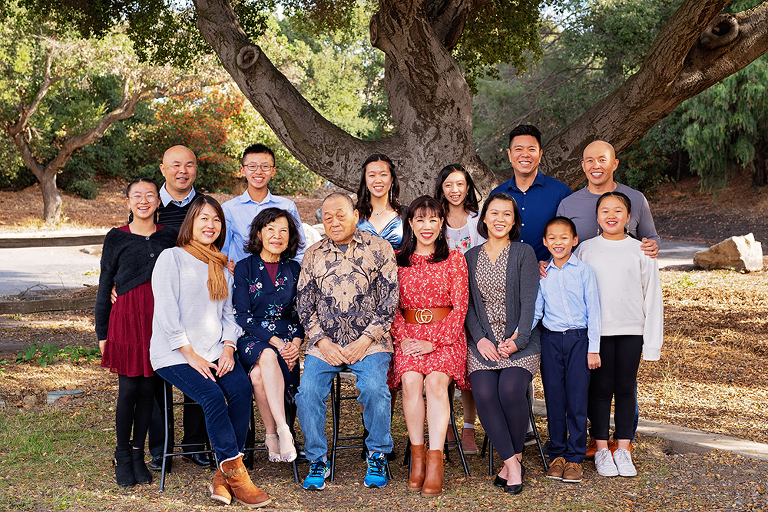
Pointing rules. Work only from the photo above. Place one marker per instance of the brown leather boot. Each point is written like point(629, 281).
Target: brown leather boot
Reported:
point(433, 481)
point(418, 467)
point(241, 486)
point(220, 490)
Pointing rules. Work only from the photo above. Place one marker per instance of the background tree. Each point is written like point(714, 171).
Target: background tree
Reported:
point(52, 90)
point(429, 97)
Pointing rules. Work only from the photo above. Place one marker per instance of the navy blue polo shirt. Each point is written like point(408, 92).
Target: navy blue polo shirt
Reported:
point(537, 205)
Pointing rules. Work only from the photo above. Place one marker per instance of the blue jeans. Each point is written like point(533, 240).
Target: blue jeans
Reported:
point(226, 404)
point(371, 381)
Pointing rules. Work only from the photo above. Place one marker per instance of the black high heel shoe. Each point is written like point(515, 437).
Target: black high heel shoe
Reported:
point(516, 488)
point(499, 482)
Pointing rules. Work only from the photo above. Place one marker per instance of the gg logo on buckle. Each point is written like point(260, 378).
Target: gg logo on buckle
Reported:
point(423, 316)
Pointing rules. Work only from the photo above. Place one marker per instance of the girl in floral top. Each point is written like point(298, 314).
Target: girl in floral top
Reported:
point(264, 298)
point(456, 192)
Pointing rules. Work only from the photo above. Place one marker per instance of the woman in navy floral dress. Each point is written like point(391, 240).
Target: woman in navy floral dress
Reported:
point(264, 298)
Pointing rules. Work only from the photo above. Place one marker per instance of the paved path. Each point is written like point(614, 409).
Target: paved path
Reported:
point(673, 254)
point(688, 440)
point(34, 270)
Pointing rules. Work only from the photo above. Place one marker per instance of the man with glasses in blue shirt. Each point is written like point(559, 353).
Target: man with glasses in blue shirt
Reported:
point(258, 167)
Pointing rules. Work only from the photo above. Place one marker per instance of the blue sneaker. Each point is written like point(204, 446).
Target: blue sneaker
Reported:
point(319, 470)
point(376, 475)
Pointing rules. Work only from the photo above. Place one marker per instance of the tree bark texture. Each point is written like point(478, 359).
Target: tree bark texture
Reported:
point(431, 103)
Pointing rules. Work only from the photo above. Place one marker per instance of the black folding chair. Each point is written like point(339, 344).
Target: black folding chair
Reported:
point(169, 446)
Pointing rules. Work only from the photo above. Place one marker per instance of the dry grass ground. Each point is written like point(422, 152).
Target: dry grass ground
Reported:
point(711, 376)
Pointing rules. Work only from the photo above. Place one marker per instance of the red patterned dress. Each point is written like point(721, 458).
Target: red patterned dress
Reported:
point(433, 285)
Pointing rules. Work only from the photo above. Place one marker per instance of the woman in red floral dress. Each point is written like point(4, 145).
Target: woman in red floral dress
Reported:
point(430, 343)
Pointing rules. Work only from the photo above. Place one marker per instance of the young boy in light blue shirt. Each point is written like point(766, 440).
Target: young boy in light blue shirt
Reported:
point(569, 306)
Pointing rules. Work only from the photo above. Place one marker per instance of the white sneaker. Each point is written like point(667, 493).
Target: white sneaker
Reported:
point(604, 463)
point(624, 464)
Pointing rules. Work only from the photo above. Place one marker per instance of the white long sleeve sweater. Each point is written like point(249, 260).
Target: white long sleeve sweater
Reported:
point(630, 290)
point(184, 312)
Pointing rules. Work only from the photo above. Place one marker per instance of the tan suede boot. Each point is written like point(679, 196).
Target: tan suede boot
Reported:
point(241, 486)
point(418, 467)
point(220, 490)
point(433, 481)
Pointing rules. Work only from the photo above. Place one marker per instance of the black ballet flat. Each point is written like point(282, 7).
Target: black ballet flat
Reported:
point(516, 488)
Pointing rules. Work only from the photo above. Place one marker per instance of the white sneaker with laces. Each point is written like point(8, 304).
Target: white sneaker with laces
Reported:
point(623, 460)
point(604, 463)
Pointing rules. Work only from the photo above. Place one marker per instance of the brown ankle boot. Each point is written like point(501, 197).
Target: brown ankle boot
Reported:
point(220, 490)
point(418, 467)
point(433, 481)
point(241, 486)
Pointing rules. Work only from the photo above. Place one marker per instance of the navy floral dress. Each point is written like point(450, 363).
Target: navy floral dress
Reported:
point(264, 309)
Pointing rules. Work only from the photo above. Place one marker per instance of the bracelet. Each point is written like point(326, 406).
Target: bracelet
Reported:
point(230, 344)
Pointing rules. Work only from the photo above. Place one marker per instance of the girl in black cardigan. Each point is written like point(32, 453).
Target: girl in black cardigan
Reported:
point(125, 327)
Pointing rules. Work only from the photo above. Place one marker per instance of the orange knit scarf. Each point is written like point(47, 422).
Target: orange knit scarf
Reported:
point(217, 283)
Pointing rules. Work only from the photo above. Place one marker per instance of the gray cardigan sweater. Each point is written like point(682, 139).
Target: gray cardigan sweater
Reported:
point(522, 287)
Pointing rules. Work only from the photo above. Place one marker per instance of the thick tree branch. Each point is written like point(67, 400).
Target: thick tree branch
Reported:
point(312, 139)
point(27, 111)
point(670, 74)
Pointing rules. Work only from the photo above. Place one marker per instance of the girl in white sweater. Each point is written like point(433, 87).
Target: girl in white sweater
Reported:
point(632, 323)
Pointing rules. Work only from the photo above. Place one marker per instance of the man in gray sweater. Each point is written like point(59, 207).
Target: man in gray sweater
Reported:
point(599, 164)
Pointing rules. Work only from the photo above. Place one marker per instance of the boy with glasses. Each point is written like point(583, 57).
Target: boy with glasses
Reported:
point(258, 167)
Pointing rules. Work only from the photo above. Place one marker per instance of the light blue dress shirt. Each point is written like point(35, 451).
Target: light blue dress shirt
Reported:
point(240, 211)
point(166, 198)
point(568, 299)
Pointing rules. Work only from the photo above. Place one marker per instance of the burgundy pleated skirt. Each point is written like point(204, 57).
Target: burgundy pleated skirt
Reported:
point(130, 329)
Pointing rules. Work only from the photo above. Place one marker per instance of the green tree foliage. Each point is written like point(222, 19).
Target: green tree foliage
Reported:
point(591, 47)
point(342, 73)
point(727, 127)
point(60, 92)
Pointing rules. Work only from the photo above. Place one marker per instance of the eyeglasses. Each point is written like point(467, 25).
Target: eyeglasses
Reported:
point(257, 167)
point(150, 198)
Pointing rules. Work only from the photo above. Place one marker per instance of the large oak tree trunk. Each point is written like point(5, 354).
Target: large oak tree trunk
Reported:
point(431, 104)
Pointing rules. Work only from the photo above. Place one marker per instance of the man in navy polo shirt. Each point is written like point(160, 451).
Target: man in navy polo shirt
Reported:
point(537, 195)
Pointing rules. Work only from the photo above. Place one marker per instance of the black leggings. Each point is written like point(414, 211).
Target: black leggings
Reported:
point(503, 407)
point(134, 410)
point(616, 377)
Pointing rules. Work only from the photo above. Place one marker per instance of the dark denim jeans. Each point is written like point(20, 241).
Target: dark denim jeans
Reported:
point(226, 403)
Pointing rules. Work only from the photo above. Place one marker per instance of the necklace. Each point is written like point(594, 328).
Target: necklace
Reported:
point(382, 211)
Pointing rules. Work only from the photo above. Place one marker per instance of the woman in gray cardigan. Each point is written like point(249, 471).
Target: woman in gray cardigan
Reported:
point(503, 349)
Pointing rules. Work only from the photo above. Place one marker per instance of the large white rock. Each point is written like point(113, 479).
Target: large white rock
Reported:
point(737, 252)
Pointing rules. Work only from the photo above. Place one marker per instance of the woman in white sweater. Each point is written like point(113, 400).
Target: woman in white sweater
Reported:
point(193, 343)
point(632, 324)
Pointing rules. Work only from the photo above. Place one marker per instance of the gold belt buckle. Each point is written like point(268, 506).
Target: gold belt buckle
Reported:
point(423, 316)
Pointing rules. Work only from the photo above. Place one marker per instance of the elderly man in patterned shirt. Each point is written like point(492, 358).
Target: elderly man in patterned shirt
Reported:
point(348, 293)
